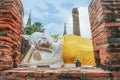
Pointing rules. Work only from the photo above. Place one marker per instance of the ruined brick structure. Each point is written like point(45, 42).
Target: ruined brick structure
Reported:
point(105, 27)
point(65, 31)
point(75, 15)
point(11, 14)
point(29, 20)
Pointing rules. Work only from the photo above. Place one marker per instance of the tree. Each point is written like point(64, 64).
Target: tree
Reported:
point(36, 27)
point(55, 37)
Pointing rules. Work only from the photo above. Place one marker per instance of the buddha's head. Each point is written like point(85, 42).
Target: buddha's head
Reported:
point(44, 44)
point(41, 41)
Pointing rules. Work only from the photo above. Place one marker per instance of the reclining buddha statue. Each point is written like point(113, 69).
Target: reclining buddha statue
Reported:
point(45, 51)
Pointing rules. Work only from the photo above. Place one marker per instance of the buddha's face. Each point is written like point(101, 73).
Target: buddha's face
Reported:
point(44, 44)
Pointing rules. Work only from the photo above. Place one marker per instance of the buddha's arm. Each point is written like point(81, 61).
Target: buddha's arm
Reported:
point(28, 55)
point(56, 58)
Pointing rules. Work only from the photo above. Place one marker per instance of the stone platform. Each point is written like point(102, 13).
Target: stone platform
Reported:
point(86, 73)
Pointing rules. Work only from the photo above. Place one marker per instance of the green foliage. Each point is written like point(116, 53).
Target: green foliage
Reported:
point(110, 17)
point(1, 4)
point(85, 78)
point(36, 27)
point(55, 36)
point(1, 0)
point(111, 65)
point(114, 31)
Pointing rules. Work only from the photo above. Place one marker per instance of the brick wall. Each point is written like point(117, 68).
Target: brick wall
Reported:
point(105, 27)
point(11, 14)
point(59, 74)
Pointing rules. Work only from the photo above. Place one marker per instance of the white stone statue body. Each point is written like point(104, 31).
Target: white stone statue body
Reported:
point(43, 51)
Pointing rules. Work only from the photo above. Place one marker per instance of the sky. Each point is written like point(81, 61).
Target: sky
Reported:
point(54, 13)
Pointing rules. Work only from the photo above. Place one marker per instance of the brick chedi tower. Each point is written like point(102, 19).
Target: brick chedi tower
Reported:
point(76, 28)
point(65, 31)
point(29, 20)
point(105, 27)
point(11, 15)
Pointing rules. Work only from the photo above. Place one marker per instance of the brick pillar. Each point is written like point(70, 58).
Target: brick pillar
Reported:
point(105, 27)
point(76, 28)
point(65, 31)
point(11, 14)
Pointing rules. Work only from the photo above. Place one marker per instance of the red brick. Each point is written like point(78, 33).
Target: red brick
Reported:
point(97, 74)
point(116, 74)
point(9, 78)
point(11, 23)
point(103, 27)
point(75, 74)
point(59, 74)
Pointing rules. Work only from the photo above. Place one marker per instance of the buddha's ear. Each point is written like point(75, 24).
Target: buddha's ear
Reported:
point(26, 37)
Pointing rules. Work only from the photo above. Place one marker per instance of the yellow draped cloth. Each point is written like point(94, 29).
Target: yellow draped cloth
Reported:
point(75, 46)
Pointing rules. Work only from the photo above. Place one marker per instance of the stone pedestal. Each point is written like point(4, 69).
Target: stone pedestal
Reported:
point(86, 73)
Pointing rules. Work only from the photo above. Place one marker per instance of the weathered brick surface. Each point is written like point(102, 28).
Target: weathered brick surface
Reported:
point(83, 73)
point(105, 27)
point(11, 13)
